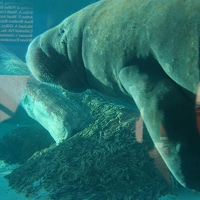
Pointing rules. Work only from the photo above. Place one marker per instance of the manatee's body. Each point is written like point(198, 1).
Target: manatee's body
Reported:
point(143, 50)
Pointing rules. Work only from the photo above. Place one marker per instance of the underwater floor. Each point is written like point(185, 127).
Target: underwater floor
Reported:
point(6, 192)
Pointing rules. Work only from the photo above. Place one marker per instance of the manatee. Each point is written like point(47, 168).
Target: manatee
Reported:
point(143, 52)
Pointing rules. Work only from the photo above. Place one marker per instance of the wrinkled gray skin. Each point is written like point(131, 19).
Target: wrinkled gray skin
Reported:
point(142, 51)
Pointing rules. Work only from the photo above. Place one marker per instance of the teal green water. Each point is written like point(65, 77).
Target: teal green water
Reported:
point(47, 14)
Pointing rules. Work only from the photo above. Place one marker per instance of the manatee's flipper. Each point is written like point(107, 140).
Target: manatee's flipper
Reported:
point(169, 115)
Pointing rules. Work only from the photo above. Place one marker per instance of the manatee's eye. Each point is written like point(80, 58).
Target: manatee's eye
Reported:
point(61, 31)
point(61, 34)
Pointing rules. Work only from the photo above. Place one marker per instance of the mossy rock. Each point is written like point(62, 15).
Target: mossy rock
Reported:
point(18, 145)
point(103, 161)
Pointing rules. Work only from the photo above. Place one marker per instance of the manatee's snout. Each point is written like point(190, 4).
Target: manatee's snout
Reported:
point(48, 64)
point(39, 63)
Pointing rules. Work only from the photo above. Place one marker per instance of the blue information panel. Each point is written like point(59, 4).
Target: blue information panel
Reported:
point(20, 22)
point(16, 22)
point(23, 20)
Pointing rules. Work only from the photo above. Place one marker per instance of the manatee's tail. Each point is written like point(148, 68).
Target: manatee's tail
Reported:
point(168, 111)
